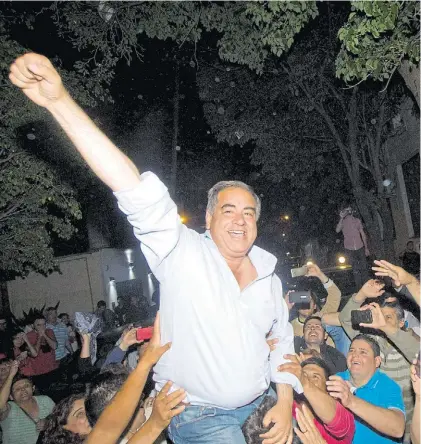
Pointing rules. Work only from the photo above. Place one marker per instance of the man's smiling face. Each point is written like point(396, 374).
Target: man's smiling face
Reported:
point(233, 225)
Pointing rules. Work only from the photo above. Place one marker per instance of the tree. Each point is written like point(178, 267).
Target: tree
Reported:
point(308, 129)
point(36, 206)
point(378, 39)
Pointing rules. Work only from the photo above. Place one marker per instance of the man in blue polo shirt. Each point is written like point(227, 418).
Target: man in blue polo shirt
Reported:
point(374, 398)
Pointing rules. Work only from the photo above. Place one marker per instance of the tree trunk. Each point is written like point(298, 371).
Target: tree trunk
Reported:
point(411, 77)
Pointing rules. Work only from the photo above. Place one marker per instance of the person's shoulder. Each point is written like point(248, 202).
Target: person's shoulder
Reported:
point(344, 375)
point(386, 382)
point(44, 400)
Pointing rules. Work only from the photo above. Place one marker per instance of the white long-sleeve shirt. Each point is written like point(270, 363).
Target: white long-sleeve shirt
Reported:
point(219, 353)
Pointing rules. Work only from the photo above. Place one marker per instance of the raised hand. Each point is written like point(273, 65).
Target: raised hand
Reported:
point(129, 338)
point(379, 322)
point(340, 389)
point(371, 289)
point(154, 350)
point(166, 406)
point(307, 430)
point(398, 274)
point(37, 78)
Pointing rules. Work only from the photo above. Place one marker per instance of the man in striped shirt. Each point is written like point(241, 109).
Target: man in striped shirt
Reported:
point(60, 332)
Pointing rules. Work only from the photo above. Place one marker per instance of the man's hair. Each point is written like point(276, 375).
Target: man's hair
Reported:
point(320, 363)
point(5, 360)
point(54, 432)
point(400, 313)
point(221, 186)
point(100, 393)
point(313, 317)
point(19, 377)
point(409, 242)
point(38, 316)
point(253, 426)
point(101, 304)
point(370, 341)
point(61, 315)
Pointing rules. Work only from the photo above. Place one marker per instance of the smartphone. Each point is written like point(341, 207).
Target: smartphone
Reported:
point(300, 297)
point(361, 317)
point(417, 366)
point(301, 271)
point(144, 334)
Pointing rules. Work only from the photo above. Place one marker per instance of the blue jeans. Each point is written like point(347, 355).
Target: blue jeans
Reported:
point(211, 425)
point(341, 340)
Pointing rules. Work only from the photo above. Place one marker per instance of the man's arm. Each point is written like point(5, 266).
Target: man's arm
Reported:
point(5, 391)
point(322, 403)
point(51, 340)
point(340, 225)
point(388, 421)
point(40, 81)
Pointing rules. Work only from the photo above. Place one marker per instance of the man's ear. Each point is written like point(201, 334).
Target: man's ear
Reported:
point(208, 220)
point(378, 361)
point(401, 324)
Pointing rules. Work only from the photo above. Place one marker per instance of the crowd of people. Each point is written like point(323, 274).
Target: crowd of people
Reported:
point(231, 358)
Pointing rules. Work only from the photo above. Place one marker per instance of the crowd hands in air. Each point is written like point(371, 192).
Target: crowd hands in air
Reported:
point(332, 381)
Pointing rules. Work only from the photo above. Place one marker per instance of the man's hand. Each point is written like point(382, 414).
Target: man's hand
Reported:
point(379, 322)
point(341, 390)
point(37, 78)
point(166, 406)
point(289, 304)
point(416, 381)
point(371, 289)
point(280, 416)
point(154, 350)
point(129, 338)
point(272, 343)
point(14, 368)
point(40, 425)
point(308, 432)
point(293, 367)
point(398, 274)
point(22, 356)
point(314, 271)
point(367, 252)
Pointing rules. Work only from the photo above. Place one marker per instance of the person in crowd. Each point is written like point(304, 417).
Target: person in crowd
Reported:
point(118, 353)
point(334, 422)
point(67, 423)
point(121, 310)
point(135, 312)
point(61, 334)
point(5, 364)
point(355, 244)
point(65, 320)
point(5, 335)
point(333, 300)
point(305, 431)
point(107, 316)
point(373, 397)
point(112, 412)
point(411, 322)
point(44, 365)
point(416, 385)
point(397, 347)
point(217, 284)
point(22, 352)
point(410, 259)
point(23, 417)
point(402, 280)
point(314, 338)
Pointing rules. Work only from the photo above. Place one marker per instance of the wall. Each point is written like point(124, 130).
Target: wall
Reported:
point(83, 281)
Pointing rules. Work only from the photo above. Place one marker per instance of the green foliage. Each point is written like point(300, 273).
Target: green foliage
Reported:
point(377, 37)
point(247, 31)
point(35, 204)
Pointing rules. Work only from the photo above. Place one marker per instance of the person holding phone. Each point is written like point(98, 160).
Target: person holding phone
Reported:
point(220, 296)
point(398, 347)
point(355, 244)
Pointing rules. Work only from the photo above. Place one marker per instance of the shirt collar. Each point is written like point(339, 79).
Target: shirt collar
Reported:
point(371, 384)
point(263, 261)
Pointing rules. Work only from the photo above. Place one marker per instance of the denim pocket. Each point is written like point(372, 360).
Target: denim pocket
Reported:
point(194, 414)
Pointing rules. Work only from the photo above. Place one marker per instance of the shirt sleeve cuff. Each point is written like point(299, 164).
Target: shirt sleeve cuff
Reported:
point(290, 379)
point(149, 191)
point(328, 284)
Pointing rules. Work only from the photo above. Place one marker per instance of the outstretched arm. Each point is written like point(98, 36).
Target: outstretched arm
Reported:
point(40, 81)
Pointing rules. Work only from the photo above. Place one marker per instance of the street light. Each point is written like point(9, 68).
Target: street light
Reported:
point(341, 259)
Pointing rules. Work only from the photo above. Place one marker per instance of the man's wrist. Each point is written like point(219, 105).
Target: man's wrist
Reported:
point(123, 346)
point(359, 297)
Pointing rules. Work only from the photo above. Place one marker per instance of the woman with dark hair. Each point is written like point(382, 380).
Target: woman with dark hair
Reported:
point(67, 423)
